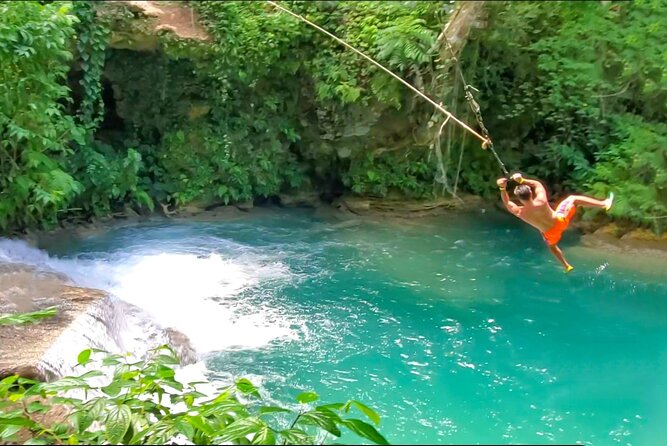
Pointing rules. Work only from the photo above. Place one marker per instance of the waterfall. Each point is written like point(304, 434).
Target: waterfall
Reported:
point(186, 295)
point(87, 318)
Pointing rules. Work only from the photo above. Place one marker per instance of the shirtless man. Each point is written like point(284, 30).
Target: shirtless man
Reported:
point(535, 210)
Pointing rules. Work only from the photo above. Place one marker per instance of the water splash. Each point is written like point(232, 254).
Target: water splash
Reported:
point(205, 295)
point(600, 269)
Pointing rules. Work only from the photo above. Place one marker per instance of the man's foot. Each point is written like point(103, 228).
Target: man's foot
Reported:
point(609, 202)
point(568, 268)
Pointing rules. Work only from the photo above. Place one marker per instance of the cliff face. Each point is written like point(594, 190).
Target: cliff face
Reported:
point(136, 25)
point(164, 72)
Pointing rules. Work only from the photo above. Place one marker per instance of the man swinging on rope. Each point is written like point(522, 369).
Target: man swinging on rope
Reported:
point(537, 212)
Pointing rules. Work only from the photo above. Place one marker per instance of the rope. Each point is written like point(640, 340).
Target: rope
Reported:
point(474, 106)
point(386, 70)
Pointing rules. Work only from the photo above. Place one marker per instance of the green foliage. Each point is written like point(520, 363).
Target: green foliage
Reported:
point(152, 93)
point(92, 35)
point(306, 85)
point(34, 130)
point(144, 403)
point(407, 44)
point(560, 87)
point(635, 169)
point(405, 173)
point(269, 87)
point(269, 104)
point(27, 318)
point(109, 179)
point(399, 34)
point(205, 163)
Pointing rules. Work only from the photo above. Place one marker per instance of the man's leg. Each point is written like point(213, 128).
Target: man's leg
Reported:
point(582, 200)
point(555, 250)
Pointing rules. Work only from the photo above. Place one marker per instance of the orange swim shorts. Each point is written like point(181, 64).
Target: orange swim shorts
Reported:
point(564, 213)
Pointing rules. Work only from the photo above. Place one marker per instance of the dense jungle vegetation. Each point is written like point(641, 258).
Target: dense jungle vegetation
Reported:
point(574, 93)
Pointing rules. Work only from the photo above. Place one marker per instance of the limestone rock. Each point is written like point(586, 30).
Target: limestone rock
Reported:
point(642, 234)
point(245, 206)
point(300, 199)
point(23, 289)
point(191, 209)
point(609, 230)
point(86, 318)
point(397, 207)
point(135, 41)
point(466, 15)
point(136, 25)
point(130, 213)
point(182, 346)
point(225, 210)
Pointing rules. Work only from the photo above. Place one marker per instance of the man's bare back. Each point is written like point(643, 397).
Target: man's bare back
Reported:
point(536, 211)
point(538, 214)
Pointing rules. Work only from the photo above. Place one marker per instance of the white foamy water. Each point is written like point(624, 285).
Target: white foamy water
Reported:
point(208, 297)
point(197, 295)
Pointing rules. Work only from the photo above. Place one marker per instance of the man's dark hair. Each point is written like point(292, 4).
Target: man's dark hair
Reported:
point(523, 192)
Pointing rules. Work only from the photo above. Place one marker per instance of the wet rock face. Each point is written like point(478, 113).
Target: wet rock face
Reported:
point(181, 344)
point(300, 199)
point(23, 289)
point(86, 318)
point(405, 208)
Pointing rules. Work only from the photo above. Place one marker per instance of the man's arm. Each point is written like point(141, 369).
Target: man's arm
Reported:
point(509, 205)
point(538, 187)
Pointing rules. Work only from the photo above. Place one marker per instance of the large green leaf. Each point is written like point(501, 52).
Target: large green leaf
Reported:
point(84, 357)
point(364, 430)
point(370, 413)
point(239, 429)
point(26, 318)
point(296, 436)
point(307, 397)
point(8, 431)
point(117, 422)
point(246, 387)
point(200, 423)
point(264, 436)
point(66, 383)
point(273, 409)
point(323, 418)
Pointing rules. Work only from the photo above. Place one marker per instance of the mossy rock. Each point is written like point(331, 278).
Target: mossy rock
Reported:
point(610, 230)
point(641, 234)
point(128, 40)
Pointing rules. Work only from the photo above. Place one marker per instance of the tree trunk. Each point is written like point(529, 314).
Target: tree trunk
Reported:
point(466, 15)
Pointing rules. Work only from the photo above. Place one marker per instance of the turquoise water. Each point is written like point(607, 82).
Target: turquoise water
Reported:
point(459, 329)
